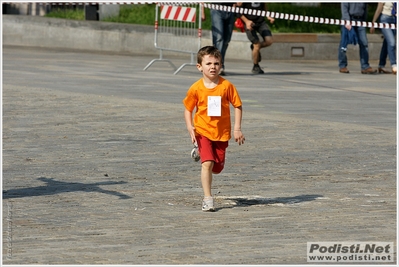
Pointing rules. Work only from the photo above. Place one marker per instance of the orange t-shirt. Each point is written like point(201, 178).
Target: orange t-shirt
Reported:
point(215, 128)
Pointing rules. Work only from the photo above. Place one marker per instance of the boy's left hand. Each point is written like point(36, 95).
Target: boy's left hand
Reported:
point(239, 137)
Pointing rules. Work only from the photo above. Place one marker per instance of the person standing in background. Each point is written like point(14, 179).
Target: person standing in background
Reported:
point(354, 12)
point(383, 58)
point(222, 29)
point(386, 14)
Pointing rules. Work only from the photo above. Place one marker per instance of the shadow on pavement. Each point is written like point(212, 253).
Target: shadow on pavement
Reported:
point(53, 187)
point(246, 201)
point(266, 73)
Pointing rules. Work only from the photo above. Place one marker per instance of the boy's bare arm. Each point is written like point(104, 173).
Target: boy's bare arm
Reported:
point(238, 135)
point(188, 117)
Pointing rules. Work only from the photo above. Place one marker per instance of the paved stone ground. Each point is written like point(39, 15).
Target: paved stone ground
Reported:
point(96, 166)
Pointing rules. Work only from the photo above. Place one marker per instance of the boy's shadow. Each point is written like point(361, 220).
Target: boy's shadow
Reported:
point(53, 187)
point(246, 202)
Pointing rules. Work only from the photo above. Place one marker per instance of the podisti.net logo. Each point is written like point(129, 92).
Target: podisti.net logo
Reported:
point(347, 252)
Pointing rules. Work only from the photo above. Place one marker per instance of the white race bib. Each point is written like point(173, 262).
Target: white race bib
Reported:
point(214, 106)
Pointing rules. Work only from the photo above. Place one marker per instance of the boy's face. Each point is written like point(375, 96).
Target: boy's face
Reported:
point(210, 66)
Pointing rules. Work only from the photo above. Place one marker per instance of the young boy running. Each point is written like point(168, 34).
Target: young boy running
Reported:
point(211, 128)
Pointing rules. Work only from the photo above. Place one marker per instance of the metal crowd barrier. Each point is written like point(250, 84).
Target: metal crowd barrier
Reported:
point(177, 29)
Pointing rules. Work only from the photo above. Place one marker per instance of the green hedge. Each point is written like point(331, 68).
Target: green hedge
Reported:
point(145, 14)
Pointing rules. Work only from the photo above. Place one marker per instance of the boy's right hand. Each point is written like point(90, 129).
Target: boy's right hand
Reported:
point(192, 134)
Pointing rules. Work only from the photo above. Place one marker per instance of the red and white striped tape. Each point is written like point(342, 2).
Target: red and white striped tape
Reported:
point(178, 13)
point(277, 15)
point(241, 10)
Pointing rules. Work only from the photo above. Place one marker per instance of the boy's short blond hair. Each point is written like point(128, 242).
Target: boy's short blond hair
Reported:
point(208, 50)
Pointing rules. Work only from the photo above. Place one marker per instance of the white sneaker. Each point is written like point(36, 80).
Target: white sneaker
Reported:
point(207, 204)
point(195, 154)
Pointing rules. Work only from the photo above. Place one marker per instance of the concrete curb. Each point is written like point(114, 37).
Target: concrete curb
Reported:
point(129, 38)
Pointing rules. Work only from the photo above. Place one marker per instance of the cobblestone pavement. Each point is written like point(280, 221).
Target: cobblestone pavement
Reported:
point(97, 167)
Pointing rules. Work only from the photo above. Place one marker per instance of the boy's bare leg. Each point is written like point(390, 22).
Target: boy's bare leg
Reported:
point(206, 177)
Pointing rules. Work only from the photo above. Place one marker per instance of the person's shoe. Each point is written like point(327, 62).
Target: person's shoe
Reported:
point(382, 70)
point(257, 70)
point(221, 72)
point(369, 70)
point(344, 70)
point(207, 204)
point(259, 54)
point(195, 154)
point(394, 70)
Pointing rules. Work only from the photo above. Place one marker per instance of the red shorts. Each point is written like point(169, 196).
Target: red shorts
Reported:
point(212, 151)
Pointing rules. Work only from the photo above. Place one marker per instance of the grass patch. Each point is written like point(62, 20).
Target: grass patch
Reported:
point(135, 14)
point(66, 13)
